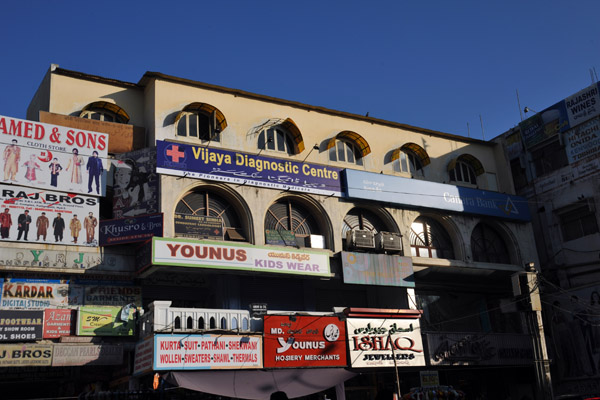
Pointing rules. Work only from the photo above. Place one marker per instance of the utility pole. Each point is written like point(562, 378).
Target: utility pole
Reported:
point(526, 289)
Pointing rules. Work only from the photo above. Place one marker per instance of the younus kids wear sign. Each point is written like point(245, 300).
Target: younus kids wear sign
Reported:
point(42, 216)
point(221, 255)
point(384, 342)
point(228, 166)
point(53, 157)
point(172, 352)
point(304, 341)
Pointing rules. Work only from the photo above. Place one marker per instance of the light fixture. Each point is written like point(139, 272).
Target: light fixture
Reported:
point(527, 109)
point(315, 147)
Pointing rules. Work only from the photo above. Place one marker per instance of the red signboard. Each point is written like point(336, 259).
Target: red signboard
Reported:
point(304, 341)
point(57, 323)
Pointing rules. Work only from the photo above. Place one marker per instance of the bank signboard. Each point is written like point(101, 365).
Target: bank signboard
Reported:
point(377, 342)
point(130, 230)
point(225, 255)
point(209, 163)
point(53, 157)
point(304, 341)
point(418, 193)
point(42, 216)
point(188, 352)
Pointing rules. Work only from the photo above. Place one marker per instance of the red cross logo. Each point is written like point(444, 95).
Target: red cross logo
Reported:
point(175, 154)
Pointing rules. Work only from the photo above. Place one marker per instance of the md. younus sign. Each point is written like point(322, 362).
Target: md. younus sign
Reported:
point(242, 168)
point(53, 157)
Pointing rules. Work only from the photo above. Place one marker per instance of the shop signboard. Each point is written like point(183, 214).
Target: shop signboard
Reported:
point(377, 269)
point(66, 355)
point(280, 237)
point(143, 255)
point(304, 341)
point(144, 356)
point(583, 141)
point(53, 157)
point(413, 192)
point(58, 322)
point(25, 355)
point(179, 352)
point(112, 295)
point(130, 230)
point(39, 256)
point(106, 321)
point(583, 105)
point(21, 325)
point(224, 255)
point(479, 349)
point(198, 226)
point(377, 342)
point(135, 184)
point(210, 163)
point(42, 216)
point(37, 294)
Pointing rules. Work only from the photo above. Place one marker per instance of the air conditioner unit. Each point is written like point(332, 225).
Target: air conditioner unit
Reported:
point(360, 239)
point(389, 241)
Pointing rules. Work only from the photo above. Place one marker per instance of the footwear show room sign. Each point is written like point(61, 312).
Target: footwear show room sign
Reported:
point(53, 157)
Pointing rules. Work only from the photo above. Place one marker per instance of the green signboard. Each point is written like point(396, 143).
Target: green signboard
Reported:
point(106, 321)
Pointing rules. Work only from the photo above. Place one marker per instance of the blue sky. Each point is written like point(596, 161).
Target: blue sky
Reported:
point(433, 64)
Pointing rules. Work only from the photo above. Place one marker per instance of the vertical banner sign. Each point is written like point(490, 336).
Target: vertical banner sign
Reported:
point(53, 157)
point(175, 352)
point(144, 356)
point(304, 341)
point(375, 342)
point(135, 184)
point(42, 216)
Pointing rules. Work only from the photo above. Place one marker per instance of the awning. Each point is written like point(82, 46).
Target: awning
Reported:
point(415, 148)
point(105, 105)
point(259, 384)
point(206, 109)
point(355, 138)
point(469, 159)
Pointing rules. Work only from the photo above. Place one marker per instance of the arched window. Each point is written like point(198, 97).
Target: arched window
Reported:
point(346, 152)
point(408, 162)
point(292, 217)
point(200, 121)
point(488, 246)
point(209, 204)
point(429, 239)
point(465, 169)
point(276, 138)
point(105, 111)
point(362, 219)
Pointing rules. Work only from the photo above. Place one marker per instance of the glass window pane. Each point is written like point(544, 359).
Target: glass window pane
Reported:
point(193, 125)
point(182, 126)
point(270, 139)
point(108, 118)
point(341, 151)
point(95, 115)
point(333, 154)
point(280, 140)
point(403, 162)
point(349, 152)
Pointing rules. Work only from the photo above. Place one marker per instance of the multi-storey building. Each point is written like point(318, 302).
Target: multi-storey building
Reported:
point(303, 249)
point(553, 157)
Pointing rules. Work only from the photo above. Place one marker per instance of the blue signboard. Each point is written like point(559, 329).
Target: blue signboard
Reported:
point(413, 192)
point(243, 168)
point(129, 230)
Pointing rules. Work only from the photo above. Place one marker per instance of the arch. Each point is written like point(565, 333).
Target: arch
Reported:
point(468, 159)
point(220, 121)
point(119, 112)
point(353, 137)
point(430, 238)
point(368, 218)
point(177, 323)
point(201, 323)
point(289, 126)
point(509, 252)
point(189, 323)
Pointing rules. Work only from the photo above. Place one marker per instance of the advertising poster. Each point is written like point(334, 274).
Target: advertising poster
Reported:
point(135, 183)
point(112, 295)
point(58, 322)
point(583, 141)
point(304, 341)
point(375, 342)
point(53, 157)
point(544, 125)
point(25, 355)
point(86, 354)
point(198, 254)
point(40, 257)
point(198, 226)
point(106, 321)
point(130, 230)
point(377, 269)
point(41, 216)
point(177, 352)
point(21, 325)
point(37, 294)
point(234, 167)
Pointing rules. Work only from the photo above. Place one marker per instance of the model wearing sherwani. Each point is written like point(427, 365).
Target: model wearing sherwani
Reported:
point(5, 224)
point(90, 223)
point(75, 227)
point(75, 163)
point(42, 224)
point(12, 155)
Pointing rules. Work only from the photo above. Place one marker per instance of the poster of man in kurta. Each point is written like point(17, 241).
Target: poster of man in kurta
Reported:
point(43, 216)
point(53, 157)
point(135, 184)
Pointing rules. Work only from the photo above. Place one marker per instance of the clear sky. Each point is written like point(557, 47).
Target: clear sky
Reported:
point(434, 64)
